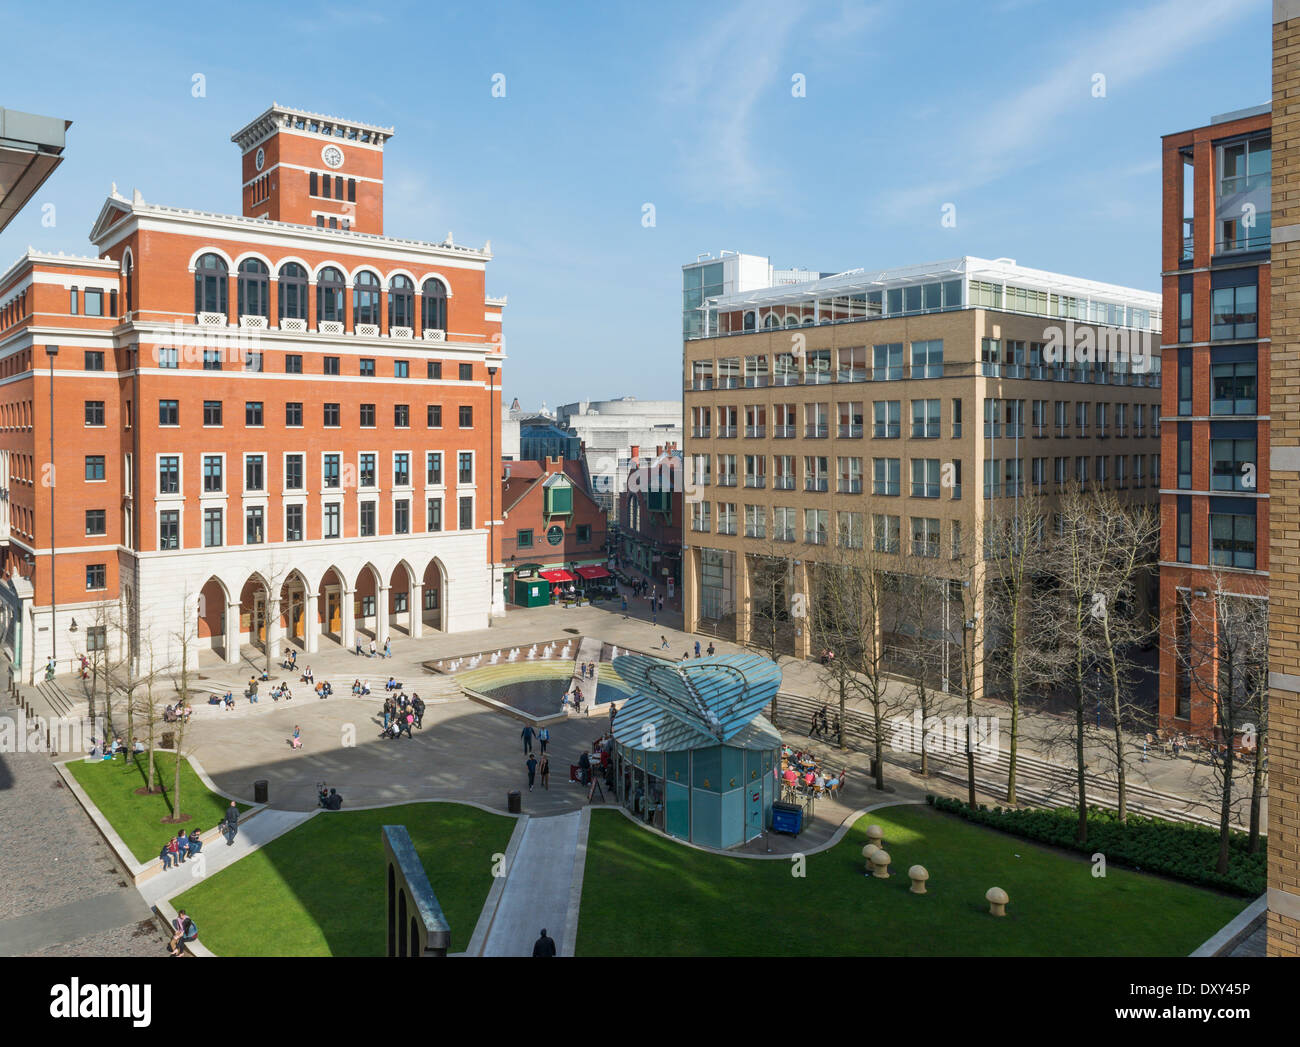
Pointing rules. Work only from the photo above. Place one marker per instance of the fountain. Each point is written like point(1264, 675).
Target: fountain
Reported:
point(513, 655)
point(532, 651)
point(493, 659)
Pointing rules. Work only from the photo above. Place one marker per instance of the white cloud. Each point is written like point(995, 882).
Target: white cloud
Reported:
point(1001, 135)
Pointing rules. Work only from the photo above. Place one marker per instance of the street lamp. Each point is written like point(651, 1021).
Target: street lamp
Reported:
point(492, 493)
point(52, 351)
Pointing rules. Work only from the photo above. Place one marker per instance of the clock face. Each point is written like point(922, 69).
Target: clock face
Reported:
point(260, 159)
point(332, 155)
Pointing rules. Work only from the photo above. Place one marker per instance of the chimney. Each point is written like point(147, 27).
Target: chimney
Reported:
point(554, 464)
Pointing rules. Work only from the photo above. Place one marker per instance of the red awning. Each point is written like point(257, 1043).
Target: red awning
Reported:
point(592, 573)
point(559, 575)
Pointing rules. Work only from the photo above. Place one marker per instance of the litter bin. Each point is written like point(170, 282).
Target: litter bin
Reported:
point(168, 740)
point(787, 818)
point(261, 788)
point(514, 803)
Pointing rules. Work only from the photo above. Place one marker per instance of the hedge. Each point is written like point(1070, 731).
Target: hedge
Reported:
point(1175, 849)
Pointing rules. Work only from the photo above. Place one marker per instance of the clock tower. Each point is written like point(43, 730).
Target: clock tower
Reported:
point(312, 169)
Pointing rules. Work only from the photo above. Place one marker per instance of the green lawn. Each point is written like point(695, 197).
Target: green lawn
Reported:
point(319, 890)
point(646, 895)
point(138, 819)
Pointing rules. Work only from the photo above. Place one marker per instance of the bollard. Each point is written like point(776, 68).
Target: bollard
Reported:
point(868, 852)
point(876, 835)
point(997, 899)
point(881, 862)
point(918, 876)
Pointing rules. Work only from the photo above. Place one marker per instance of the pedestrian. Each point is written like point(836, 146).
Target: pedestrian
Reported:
point(710, 649)
point(372, 647)
point(544, 736)
point(230, 827)
point(545, 768)
point(296, 740)
point(624, 605)
point(359, 650)
point(417, 706)
point(193, 844)
point(166, 854)
point(388, 647)
point(697, 648)
point(663, 642)
point(532, 770)
point(407, 721)
point(527, 735)
point(545, 945)
point(186, 931)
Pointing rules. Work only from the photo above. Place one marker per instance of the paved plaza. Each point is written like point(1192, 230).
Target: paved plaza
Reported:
point(465, 751)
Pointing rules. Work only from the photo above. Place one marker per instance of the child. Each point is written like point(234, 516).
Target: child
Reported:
point(296, 740)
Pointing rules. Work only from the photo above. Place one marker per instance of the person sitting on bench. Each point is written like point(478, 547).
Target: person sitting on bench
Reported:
point(307, 676)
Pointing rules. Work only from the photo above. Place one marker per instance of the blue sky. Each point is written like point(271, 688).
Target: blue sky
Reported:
point(909, 105)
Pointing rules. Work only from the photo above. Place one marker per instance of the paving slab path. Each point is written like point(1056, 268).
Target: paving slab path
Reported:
point(538, 889)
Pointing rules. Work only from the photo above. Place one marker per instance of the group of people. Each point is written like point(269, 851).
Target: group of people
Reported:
point(587, 670)
point(402, 714)
point(802, 770)
point(821, 724)
point(572, 699)
point(107, 750)
point(360, 688)
point(175, 851)
point(387, 652)
point(330, 799)
point(181, 711)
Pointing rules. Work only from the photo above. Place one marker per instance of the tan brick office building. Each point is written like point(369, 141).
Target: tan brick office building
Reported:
point(898, 406)
point(1284, 537)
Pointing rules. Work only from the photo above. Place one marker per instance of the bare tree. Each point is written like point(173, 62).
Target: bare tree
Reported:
point(768, 625)
point(1122, 539)
point(1221, 644)
point(1014, 554)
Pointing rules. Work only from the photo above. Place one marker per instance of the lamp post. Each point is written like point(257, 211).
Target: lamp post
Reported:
point(52, 351)
point(492, 493)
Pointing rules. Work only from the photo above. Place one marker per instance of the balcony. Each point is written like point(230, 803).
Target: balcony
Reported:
point(401, 332)
point(212, 320)
point(815, 483)
point(702, 383)
point(434, 334)
point(850, 432)
point(727, 480)
point(783, 432)
point(783, 483)
point(726, 432)
point(329, 327)
point(701, 432)
point(885, 431)
point(816, 538)
point(756, 481)
point(755, 432)
point(850, 487)
point(851, 374)
point(816, 378)
point(728, 383)
point(297, 324)
point(755, 531)
point(815, 431)
point(886, 488)
point(253, 322)
point(885, 545)
point(756, 381)
point(783, 534)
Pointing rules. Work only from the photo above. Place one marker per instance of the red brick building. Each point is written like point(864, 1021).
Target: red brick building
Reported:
point(649, 540)
point(550, 524)
point(265, 427)
point(1215, 425)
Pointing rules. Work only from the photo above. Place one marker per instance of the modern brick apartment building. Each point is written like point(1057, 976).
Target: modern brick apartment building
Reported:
point(1215, 498)
point(268, 427)
point(895, 407)
point(649, 529)
point(1284, 499)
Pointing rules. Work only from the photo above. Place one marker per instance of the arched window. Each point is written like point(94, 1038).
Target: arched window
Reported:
point(254, 288)
point(771, 320)
point(210, 285)
point(330, 287)
point(128, 280)
point(401, 302)
point(365, 299)
point(749, 322)
point(435, 306)
point(293, 292)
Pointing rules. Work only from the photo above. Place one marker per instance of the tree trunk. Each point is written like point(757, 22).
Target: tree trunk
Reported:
point(1121, 790)
point(1225, 810)
point(878, 746)
point(1081, 832)
point(1256, 792)
point(1015, 700)
point(843, 712)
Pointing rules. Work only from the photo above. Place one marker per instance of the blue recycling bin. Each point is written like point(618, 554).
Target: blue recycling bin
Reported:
point(787, 818)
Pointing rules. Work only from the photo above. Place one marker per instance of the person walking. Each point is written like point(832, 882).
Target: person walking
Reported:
point(545, 945)
point(625, 605)
point(663, 642)
point(697, 648)
point(407, 720)
point(388, 647)
point(372, 648)
point(711, 648)
point(545, 769)
point(531, 763)
point(230, 826)
point(296, 741)
point(543, 736)
point(527, 735)
point(417, 706)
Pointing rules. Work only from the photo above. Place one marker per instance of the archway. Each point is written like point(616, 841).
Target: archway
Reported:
point(367, 609)
point(294, 609)
point(434, 595)
point(400, 585)
point(253, 611)
point(211, 626)
point(333, 591)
